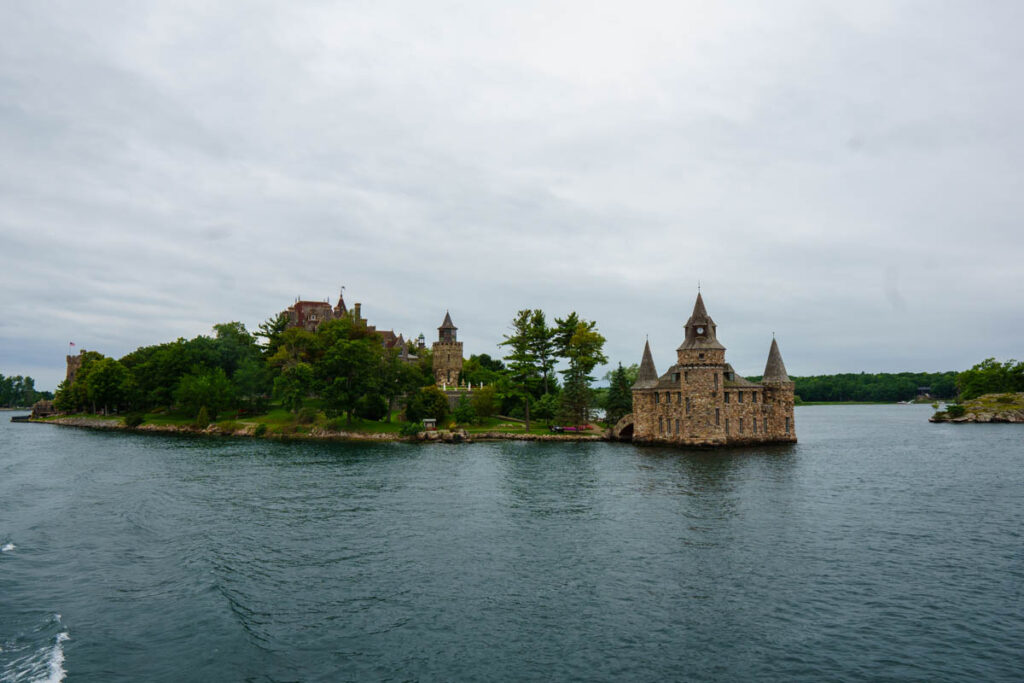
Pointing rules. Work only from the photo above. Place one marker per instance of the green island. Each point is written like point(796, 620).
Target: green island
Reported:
point(331, 375)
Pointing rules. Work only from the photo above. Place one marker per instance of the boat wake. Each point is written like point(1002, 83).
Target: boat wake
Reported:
point(7, 547)
point(36, 657)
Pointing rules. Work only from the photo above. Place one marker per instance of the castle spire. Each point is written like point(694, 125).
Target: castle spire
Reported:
point(647, 375)
point(447, 324)
point(775, 369)
point(701, 330)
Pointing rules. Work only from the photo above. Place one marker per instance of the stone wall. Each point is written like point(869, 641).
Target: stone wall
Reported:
point(699, 409)
point(447, 363)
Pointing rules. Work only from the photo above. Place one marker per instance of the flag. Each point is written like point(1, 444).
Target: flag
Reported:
point(71, 343)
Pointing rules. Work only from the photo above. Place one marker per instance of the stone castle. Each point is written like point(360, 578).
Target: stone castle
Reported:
point(447, 354)
point(309, 315)
point(701, 401)
point(447, 350)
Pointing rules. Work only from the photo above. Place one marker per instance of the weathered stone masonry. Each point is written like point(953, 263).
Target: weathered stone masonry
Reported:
point(701, 401)
point(447, 353)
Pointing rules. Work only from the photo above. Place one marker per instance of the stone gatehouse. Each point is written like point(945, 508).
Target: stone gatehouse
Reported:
point(701, 401)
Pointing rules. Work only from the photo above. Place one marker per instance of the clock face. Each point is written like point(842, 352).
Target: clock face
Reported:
point(700, 330)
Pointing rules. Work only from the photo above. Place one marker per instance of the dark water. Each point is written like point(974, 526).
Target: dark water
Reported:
point(879, 548)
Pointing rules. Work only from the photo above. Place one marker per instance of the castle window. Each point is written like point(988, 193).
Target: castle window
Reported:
point(700, 355)
point(754, 424)
point(741, 425)
point(675, 376)
point(753, 397)
point(727, 395)
point(657, 397)
point(677, 425)
point(686, 376)
point(787, 425)
point(668, 397)
point(661, 425)
point(687, 405)
point(716, 381)
point(718, 415)
point(726, 425)
point(739, 397)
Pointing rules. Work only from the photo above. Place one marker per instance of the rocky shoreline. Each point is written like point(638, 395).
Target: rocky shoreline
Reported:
point(985, 409)
point(316, 434)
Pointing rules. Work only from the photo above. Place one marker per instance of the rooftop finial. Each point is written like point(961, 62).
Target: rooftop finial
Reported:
point(698, 286)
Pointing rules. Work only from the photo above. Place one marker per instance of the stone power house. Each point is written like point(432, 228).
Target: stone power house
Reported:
point(701, 401)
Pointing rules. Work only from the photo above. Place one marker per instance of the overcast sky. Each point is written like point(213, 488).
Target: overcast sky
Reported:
point(846, 175)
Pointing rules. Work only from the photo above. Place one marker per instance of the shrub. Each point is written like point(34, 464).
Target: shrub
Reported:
point(306, 416)
point(133, 420)
point(336, 424)
point(371, 407)
point(464, 412)
point(427, 402)
point(261, 429)
point(229, 427)
point(411, 428)
point(955, 410)
point(203, 418)
point(1006, 398)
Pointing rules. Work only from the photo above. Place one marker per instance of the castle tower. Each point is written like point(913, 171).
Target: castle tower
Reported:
point(700, 373)
point(447, 354)
point(779, 395)
point(341, 309)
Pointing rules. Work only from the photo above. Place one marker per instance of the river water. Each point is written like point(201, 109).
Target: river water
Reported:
point(881, 547)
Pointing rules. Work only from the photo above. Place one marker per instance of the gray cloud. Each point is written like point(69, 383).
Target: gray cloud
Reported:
point(846, 175)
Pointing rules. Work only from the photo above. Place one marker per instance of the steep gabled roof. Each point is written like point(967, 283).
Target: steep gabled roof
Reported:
point(775, 369)
point(447, 324)
point(647, 376)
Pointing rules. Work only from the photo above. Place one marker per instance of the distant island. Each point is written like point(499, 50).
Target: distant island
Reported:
point(986, 408)
point(989, 392)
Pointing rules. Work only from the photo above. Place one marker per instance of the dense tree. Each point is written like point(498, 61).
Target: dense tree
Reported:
point(482, 369)
point(880, 387)
point(270, 331)
point(543, 346)
point(207, 388)
point(485, 401)
point(619, 398)
point(580, 344)
point(351, 365)
point(524, 367)
point(991, 377)
point(293, 385)
point(18, 391)
point(428, 402)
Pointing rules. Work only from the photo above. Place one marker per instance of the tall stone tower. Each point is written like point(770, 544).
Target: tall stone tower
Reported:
point(701, 375)
point(779, 394)
point(447, 354)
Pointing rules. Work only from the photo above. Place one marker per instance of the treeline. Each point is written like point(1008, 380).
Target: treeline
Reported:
point(236, 371)
point(20, 392)
point(346, 369)
point(873, 387)
point(991, 377)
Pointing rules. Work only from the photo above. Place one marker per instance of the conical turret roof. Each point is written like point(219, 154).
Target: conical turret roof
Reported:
point(700, 320)
point(647, 376)
point(775, 369)
point(700, 314)
point(447, 324)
